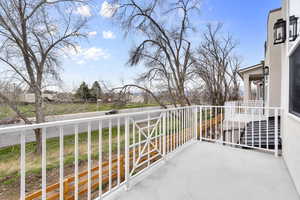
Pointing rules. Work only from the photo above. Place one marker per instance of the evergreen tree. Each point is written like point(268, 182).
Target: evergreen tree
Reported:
point(96, 91)
point(83, 92)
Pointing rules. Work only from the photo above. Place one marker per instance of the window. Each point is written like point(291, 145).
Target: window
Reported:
point(295, 83)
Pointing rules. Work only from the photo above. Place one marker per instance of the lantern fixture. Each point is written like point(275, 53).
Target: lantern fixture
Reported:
point(266, 70)
point(293, 28)
point(280, 31)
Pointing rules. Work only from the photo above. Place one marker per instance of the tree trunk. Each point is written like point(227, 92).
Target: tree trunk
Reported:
point(40, 118)
point(184, 101)
point(38, 138)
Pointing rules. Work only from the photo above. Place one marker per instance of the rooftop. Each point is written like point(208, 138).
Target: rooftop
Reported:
point(250, 68)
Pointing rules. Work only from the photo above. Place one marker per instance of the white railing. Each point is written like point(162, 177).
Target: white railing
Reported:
point(234, 114)
point(258, 128)
point(249, 103)
point(102, 154)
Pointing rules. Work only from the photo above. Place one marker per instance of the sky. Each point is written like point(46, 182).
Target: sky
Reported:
point(104, 54)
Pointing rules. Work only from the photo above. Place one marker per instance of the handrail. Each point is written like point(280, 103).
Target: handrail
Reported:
point(25, 127)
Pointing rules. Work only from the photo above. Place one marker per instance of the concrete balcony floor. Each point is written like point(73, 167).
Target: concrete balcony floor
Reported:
point(214, 172)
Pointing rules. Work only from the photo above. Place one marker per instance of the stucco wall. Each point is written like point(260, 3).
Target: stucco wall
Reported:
point(273, 61)
point(292, 149)
point(291, 123)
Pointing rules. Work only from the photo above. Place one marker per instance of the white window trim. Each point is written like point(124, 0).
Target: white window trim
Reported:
point(294, 117)
point(294, 46)
point(291, 50)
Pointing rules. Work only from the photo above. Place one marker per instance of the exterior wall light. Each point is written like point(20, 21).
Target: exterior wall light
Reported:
point(293, 28)
point(280, 31)
point(266, 71)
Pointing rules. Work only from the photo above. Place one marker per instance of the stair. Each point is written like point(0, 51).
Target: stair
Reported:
point(256, 134)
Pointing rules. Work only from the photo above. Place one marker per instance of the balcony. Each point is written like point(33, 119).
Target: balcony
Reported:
point(208, 171)
point(178, 153)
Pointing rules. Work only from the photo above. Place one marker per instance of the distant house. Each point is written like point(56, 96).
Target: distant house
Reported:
point(30, 98)
point(136, 98)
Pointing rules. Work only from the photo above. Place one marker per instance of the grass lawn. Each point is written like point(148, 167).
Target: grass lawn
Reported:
point(66, 108)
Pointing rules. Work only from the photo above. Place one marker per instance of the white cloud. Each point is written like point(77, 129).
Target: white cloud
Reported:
point(82, 55)
point(108, 35)
point(95, 53)
point(92, 33)
point(83, 10)
point(71, 51)
point(108, 10)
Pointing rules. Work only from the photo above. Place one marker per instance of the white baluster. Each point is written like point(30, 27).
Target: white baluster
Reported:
point(164, 136)
point(76, 172)
point(44, 164)
point(100, 159)
point(89, 152)
point(61, 163)
point(127, 185)
point(119, 151)
point(110, 155)
point(23, 166)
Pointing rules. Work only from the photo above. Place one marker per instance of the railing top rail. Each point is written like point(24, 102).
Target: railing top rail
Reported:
point(249, 107)
point(247, 101)
point(26, 127)
point(256, 103)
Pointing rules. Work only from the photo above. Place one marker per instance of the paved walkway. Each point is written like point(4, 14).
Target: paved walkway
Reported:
point(205, 171)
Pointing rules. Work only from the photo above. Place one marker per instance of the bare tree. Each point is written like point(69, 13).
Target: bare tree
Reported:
point(12, 90)
point(165, 49)
point(125, 89)
point(33, 34)
point(217, 66)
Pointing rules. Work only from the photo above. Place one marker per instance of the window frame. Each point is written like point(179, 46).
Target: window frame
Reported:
point(291, 81)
